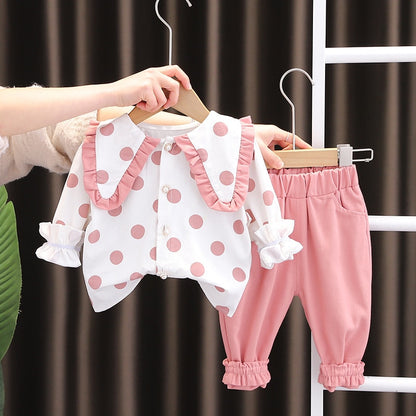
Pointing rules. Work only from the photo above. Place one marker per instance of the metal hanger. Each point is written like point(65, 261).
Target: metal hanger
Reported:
point(188, 103)
point(342, 155)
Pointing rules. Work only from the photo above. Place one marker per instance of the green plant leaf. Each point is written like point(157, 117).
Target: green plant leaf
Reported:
point(10, 272)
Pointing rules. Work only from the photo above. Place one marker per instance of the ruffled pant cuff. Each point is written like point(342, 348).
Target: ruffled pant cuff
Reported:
point(348, 375)
point(247, 375)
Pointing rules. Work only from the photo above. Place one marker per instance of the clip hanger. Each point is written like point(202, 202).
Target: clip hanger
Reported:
point(342, 155)
point(188, 102)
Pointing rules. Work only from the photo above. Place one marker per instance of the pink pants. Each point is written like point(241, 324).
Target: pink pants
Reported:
point(331, 276)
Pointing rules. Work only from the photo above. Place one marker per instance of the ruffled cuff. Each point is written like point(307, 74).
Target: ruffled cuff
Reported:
point(247, 375)
point(63, 244)
point(274, 243)
point(348, 375)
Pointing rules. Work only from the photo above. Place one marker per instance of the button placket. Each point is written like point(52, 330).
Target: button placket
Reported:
point(164, 210)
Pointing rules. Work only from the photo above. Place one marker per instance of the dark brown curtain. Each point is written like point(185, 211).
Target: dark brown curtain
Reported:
point(159, 352)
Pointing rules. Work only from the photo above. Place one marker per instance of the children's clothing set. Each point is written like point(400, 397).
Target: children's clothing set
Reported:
point(194, 201)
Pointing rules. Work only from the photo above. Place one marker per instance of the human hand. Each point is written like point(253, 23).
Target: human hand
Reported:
point(151, 89)
point(269, 135)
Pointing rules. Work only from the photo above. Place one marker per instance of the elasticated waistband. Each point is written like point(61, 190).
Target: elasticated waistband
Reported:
point(303, 182)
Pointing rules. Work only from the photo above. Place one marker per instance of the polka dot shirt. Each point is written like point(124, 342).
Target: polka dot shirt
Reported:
point(170, 201)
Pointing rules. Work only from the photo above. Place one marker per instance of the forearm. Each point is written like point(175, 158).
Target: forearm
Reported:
point(27, 109)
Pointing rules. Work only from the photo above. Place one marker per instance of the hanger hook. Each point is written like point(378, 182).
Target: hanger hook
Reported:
point(168, 26)
point(290, 102)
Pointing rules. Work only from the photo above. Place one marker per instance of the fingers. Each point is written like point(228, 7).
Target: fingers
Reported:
point(272, 135)
point(299, 143)
point(165, 88)
point(271, 158)
point(178, 73)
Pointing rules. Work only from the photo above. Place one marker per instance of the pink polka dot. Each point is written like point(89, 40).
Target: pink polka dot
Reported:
point(220, 289)
point(126, 153)
point(226, 177)
point(268, 197)
point(175, 149)
point(217, 248)
point(173, 244)
point(116, 257)
point(156, 157)
point(116, 211)
point(223, 309)
point(197, 269)
point(238, 227)
point(156, 205)
point(137, 231)
point(120, 285)
point(136, 276)
point(83, 210)
point(107, 130)
point(138, 184)
point(174, 196)
point(239, 274)
point(102, 176)
point(251, 185)
point(95, 282)
point(220, 128)
point(94, 236)
point(153, 253)
point(196, 221)
point(203, 154)
point(60, 222)
point(72, 180)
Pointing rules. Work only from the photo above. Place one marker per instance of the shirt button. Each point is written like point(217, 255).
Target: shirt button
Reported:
point(168, 147)
point(163, 276)
point(166, 230)
point(165, 189)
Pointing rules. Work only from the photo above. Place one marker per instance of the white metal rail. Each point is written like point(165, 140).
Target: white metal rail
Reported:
point(321, 56)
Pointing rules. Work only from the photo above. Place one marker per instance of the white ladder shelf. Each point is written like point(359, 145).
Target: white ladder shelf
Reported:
point(321, 56)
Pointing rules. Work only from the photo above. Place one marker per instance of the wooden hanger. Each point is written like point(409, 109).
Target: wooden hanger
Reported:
point(188, 104)
point(302, 158)
point(308, 158)
point(342, 155)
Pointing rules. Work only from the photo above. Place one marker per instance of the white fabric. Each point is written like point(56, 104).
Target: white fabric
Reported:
point(164, 227)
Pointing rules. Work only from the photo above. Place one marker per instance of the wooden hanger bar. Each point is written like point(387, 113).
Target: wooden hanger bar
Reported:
point(188, 104)
point(342, 155)
point(301, 158)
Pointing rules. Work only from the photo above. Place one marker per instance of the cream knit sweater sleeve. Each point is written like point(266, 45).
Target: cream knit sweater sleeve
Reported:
point(51, 147)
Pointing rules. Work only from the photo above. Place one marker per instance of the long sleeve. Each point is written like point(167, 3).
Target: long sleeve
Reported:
point(266, 226)
point(65, 235)
point(51, 147)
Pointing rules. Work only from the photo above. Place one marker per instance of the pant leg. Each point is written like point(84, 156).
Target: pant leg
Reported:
point(249, 334)
point(336, 279)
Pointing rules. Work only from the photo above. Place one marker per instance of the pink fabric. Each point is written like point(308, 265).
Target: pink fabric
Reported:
point(126, 182)
point(331, 276)
point(246, 376)
point(242, 177)
point(349, 375)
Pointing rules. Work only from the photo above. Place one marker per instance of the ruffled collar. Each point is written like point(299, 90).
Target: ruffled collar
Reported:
point(219, 152)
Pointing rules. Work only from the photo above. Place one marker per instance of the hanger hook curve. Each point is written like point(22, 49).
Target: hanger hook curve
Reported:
point(168, 26)
point(290, 102)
